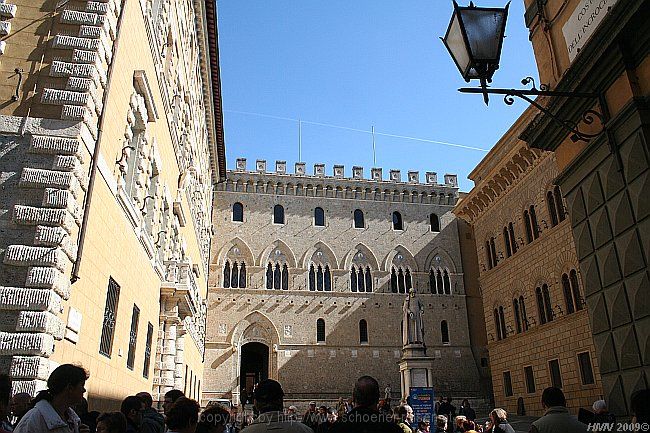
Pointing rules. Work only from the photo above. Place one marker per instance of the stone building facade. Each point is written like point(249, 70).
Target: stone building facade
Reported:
point(110, 143)
point(603, 47)
point(539, 332)
point(309, 273)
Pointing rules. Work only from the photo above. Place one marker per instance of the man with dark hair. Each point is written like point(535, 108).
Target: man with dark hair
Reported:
point(183, 416)
point(132, 409)
point(21, 403)
point(268, 399)
point(556, 418)
point(170, 398)
point(111, 422)
point(152, 421)
point(365, 418)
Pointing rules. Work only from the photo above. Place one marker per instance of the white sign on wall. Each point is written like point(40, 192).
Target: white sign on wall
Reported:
point(583, 22)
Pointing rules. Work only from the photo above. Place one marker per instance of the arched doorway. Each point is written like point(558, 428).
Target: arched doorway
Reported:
point(254, 366)
point(521, 407)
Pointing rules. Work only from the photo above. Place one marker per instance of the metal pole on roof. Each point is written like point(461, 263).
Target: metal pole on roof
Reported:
point(299, 140)
point(374, 148)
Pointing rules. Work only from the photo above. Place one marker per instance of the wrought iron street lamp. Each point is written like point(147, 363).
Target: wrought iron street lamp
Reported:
point(474, 40)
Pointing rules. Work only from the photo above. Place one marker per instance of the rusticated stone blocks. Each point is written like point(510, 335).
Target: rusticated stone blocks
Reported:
point(29, 215)
point(12, 298)
point(26, 344)
point(81, 18)
point(40, 178)
point(30, 367)
point(23, 255)
point(55, 145)
point(48, 278)
point(61, 97)
point(41, 322)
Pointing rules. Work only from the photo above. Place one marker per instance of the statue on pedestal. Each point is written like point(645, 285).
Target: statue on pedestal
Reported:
point(412, 321)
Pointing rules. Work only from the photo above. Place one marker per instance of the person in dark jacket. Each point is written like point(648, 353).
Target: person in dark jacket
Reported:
point(467, 411)
point(499, 421)
point(88, 418)
point(111, 422)
point(152, 421)
point(132, 409)
point(364, 417)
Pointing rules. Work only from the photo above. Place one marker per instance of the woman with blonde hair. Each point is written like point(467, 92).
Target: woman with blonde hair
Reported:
point(499, 421)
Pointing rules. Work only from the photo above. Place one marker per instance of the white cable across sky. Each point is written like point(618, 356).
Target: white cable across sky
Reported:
point(405, 137)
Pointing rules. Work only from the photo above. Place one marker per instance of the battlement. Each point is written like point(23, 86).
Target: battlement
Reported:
point(338, 172)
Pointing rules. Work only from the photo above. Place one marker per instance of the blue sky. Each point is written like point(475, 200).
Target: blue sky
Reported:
point(358, 64)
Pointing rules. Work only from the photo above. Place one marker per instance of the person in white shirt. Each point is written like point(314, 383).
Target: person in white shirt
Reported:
point(53, 410)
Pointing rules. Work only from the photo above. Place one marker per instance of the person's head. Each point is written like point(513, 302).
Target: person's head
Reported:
point(5, 396)
point(268, 396)
point(641, 405)
point(469, 425)
point(553, 396)
point(405, 413)
point(332, 415)
point(460, 419)
point(20, 404)
point(440, 398)
point(66, 384)
point(111, 422)
point(441, 422)
point(498, 415)
point(312, 406)
point(170, 398)
point(466, 403)
point(599, 406)
point(366, 392)
point(146, 399)
point(132, 409)
point(322, 410)
point(449, 400)
point(423, 425)
point(213, 420)
point(183, 415)
point(292, 410)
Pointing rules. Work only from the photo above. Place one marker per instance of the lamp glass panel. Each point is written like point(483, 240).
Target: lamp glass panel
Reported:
point(484, 30)
point(456, 44)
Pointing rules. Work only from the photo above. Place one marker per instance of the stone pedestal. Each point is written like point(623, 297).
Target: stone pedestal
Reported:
point(415, 368)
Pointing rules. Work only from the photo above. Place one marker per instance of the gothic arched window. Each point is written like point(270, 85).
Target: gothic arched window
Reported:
point(285, 277)
point(513, 239)
point(439, 282)
point(573, 277)
point(278, 214)
point(234, 280)
point(432, 282)
point(397, 221)
point(363, 331)
point(393, 281)
point(328, 279)
point(559, 204)
point(502, 321)
point(444, 331)
point(515, 306)
point(353, 280)
point(544, 307)
point(368, 280)
point(522, 311)
point(533, 221)
point(269, 276)
point(320, 331)
point(319, 217)
point(312, 278)
point(446, 283)
point(238, 212)
point(359, 221)
point(506, 241)
point(529, 229)
point(242, 276)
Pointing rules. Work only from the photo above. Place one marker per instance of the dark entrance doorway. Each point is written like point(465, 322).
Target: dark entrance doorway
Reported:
point(254, 366)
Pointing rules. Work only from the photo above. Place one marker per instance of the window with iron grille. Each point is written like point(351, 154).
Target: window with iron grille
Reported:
point(133, 337)
point(147, 351)
point(110, 316)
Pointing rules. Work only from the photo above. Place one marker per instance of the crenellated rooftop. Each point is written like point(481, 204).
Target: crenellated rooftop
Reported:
point(338, 172)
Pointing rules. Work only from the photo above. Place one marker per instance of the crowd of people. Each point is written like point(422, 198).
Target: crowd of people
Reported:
point(62, 408)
